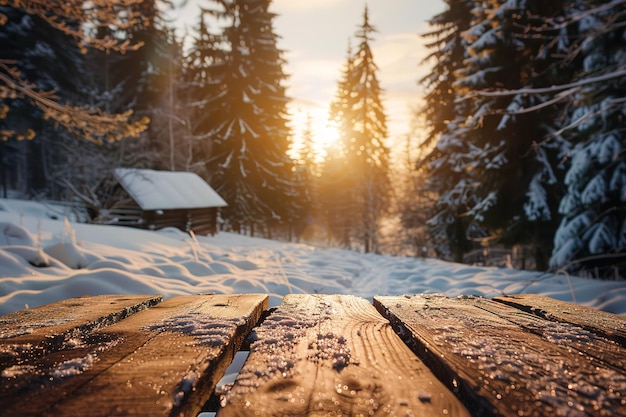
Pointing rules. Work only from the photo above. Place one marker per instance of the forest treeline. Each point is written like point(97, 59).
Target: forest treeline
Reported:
point(212, 102)
point(525, 107)
point(523, 120)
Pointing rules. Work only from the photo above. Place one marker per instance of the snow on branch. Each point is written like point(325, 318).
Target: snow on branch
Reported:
point(561, 22)
point(618, 73)
point(587, 116)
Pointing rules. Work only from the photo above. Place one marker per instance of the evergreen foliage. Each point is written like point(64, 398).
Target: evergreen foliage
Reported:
point(446, 173)
point(245, 118)
point(359, 112)
point(591, 238)
point(520, 91)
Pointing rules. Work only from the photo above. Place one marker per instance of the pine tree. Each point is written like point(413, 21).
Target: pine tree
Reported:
point(337, 187)
point(247, 159)
point(358, 107)
point(503, 56)
point(592, 235)
point(447, 162)
point(492, 141)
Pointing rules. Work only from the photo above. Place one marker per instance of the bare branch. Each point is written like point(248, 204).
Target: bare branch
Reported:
point(121, 14)
point(89, 123)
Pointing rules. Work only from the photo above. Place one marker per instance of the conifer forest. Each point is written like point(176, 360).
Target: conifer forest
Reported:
point(517, 147)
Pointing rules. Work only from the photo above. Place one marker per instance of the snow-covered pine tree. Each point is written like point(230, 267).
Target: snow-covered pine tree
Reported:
point(591, 238)
point(489, 62)
point(525, 213)
point(446, 176)
point(370, 151)
point(505, 187)
point(247, 160)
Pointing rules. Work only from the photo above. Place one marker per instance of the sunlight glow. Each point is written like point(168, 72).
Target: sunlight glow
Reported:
point(323, 133)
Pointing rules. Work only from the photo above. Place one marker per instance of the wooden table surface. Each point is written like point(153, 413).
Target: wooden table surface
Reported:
point(422, 355)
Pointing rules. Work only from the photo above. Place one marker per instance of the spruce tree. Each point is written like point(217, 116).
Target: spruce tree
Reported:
point(337, 185)
point(502, 56)
point(592, 235)
point(247, 159)
point(488, 142)
point(445, 164)
point(362, 114)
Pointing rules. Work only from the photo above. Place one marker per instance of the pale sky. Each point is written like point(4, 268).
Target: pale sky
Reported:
point(314, 37)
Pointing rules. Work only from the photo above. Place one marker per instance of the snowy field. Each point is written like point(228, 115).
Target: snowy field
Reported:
point(45, 258)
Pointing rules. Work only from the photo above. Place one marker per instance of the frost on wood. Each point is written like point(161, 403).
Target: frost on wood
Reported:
point(520, 359)
point(206, 330)
point(276, 340)
point(329, 346)
point(19, 329)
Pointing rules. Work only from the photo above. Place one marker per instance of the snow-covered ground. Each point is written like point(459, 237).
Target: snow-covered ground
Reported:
point(45, 258)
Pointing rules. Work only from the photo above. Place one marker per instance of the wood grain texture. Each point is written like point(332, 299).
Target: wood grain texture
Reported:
point(163, 361)
point(605, 324)
point(27, 334)
point(506, 362)
point(333, 355)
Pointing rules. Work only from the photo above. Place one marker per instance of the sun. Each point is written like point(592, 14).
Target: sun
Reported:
point(323, 133)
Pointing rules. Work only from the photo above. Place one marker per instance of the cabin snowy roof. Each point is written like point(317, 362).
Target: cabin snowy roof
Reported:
point(163, 190)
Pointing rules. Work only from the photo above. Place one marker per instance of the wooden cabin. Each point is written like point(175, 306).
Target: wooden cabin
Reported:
point(160, 199)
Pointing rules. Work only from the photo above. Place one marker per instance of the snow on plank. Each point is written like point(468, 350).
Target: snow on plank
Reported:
point(333, 355)
point(500, 364)
point(29, 333)
point(163, 361)
point(605, 324)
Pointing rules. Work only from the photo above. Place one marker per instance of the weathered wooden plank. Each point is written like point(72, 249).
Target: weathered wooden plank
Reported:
point(605, 324)
point(163, 361)
point(28, 334)
point(333, 355)
point(592, 345)
point(500, 367)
